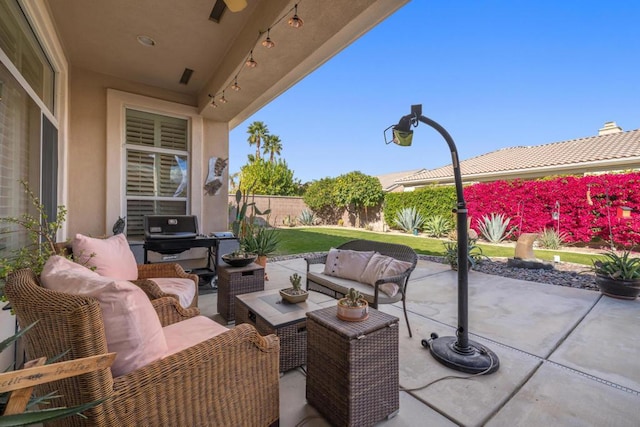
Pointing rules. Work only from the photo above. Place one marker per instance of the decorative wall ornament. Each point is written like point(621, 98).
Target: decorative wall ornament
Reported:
point(215, 179)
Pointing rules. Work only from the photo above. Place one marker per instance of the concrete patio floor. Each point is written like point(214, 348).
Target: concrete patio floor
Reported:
point(568, 357)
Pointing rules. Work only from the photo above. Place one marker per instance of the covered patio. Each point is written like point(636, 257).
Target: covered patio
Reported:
point(567, 356)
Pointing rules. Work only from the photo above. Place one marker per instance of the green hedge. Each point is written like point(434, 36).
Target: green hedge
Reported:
point(430, 201)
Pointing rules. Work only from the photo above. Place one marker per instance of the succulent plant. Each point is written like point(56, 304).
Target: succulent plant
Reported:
point(295, 281)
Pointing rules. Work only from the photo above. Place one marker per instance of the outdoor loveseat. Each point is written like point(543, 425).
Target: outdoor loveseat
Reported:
point(210, 376)
point(378, 270)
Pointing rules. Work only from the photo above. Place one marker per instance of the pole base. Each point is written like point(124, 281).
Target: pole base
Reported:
point(475, 359)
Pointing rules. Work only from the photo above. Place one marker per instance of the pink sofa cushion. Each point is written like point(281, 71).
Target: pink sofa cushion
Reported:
point(346, 263)
point(132, 327)
point(185, 289)
point(189, 332)
point(112, 257)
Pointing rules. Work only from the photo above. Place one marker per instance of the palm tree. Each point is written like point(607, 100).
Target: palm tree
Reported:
point(273, 146)
point(258, 132)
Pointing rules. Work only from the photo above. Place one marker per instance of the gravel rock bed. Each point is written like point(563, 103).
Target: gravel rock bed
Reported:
point(563, 274)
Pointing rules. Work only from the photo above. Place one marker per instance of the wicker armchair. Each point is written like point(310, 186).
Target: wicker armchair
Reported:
point(147, 272)
point(231, 379)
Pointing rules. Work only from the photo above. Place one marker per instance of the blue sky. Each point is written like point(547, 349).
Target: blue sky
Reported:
point(495, 74)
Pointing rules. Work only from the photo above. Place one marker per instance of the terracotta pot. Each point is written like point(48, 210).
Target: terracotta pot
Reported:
point(622, 289)
point(262, 260)
point(353, 314)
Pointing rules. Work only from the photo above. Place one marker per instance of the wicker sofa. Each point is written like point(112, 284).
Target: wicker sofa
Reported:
point(318, 279)
point(230, 379)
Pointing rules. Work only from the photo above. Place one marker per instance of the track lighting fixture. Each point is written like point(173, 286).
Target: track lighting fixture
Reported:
point(235, 85)
point(251, 63)
point(295, 21)
point(222, 99)
point(268, 43)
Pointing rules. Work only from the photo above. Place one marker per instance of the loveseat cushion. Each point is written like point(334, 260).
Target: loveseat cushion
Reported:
point(346, 264)
point(185, 289)
point(111, 257)
point(189, 332)
point(132, 327)
point(341, 285)
point(381, 267)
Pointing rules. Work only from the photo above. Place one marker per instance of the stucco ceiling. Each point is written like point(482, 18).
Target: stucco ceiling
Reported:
point(102, 36)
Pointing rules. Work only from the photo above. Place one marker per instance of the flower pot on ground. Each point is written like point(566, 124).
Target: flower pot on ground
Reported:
point(295, 293)
point(618, 275)
point(353, 307)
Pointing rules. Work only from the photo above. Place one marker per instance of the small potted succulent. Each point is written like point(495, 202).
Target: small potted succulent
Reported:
point(618, 275)
point(353, 307)
point(295, 293)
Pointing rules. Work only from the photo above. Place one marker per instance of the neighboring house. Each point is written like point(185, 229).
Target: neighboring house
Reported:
point(106, 107)
point(611, 150)
point(388, 181)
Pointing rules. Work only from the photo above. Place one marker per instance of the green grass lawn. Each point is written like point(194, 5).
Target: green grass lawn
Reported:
point(319, 239)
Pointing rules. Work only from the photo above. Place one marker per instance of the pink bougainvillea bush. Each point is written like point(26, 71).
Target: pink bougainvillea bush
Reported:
point(586, 208)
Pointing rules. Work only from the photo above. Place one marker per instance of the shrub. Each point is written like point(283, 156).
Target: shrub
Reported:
point(437, 226)
point(494, 228)
point(307, 217)
point(409, 219)
point(550, 239)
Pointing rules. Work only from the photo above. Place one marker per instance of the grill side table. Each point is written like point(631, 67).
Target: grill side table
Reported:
point(234, 281)
point(353, 367)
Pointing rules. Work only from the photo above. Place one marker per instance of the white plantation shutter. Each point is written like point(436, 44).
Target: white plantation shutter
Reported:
point(157, 167)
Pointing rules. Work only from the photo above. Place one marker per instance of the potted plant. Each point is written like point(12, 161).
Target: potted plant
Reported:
point(239, 258)
point(353, 307)
point(261, 241)
point(618, 275)
point(295, 293)
point(474, 254)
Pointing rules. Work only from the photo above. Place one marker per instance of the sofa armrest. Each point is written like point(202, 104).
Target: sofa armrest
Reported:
point(149, 271)
point(170, 311)
point(230, 379)
point(320, 259)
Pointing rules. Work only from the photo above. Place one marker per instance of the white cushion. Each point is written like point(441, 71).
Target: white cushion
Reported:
point(346, 263)
point(185, 289)
point(131, 324)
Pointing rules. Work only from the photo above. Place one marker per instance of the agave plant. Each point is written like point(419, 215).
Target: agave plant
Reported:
point(474, 253)
point(409, 219)
point(261, 241)
point(549, 238)
point(307, 217)
point(494, 228)
point(618, 266)
point(437, 226)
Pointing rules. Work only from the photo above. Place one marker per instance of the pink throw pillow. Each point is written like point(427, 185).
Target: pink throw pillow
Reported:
point(132, 327)
point(346, 263)
point(112, 257)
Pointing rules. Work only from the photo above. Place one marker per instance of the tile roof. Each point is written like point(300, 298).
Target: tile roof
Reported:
point(622, 148)
point(388, 181)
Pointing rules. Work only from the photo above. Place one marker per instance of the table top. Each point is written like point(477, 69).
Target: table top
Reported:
point(329, 318)
point(230, 269)
point(276, 312)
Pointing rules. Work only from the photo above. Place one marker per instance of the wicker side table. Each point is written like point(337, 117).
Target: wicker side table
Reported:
point(234, 281)
point(353, 367)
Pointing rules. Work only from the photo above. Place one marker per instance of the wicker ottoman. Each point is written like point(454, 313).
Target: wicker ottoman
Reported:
point(352, 367)
point(270, 315)
point(234, 281)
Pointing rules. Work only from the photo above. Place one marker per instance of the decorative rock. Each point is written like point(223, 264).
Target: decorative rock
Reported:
point(529, 263)
point(524, 247)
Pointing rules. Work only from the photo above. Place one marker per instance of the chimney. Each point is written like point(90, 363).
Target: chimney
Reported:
point(608, 128)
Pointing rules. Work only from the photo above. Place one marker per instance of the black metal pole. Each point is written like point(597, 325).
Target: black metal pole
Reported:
point(463, 239)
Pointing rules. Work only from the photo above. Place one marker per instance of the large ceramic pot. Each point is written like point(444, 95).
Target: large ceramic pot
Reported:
point(622, 289)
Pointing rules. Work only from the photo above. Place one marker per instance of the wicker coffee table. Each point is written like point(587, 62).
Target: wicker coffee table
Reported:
point(352, 367)
point(233, 281)
point(270, 315)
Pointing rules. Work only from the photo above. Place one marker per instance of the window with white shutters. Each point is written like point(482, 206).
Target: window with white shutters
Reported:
point(157, 167)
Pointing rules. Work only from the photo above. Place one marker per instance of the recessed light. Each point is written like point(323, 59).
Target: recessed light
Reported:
point(146, 41)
